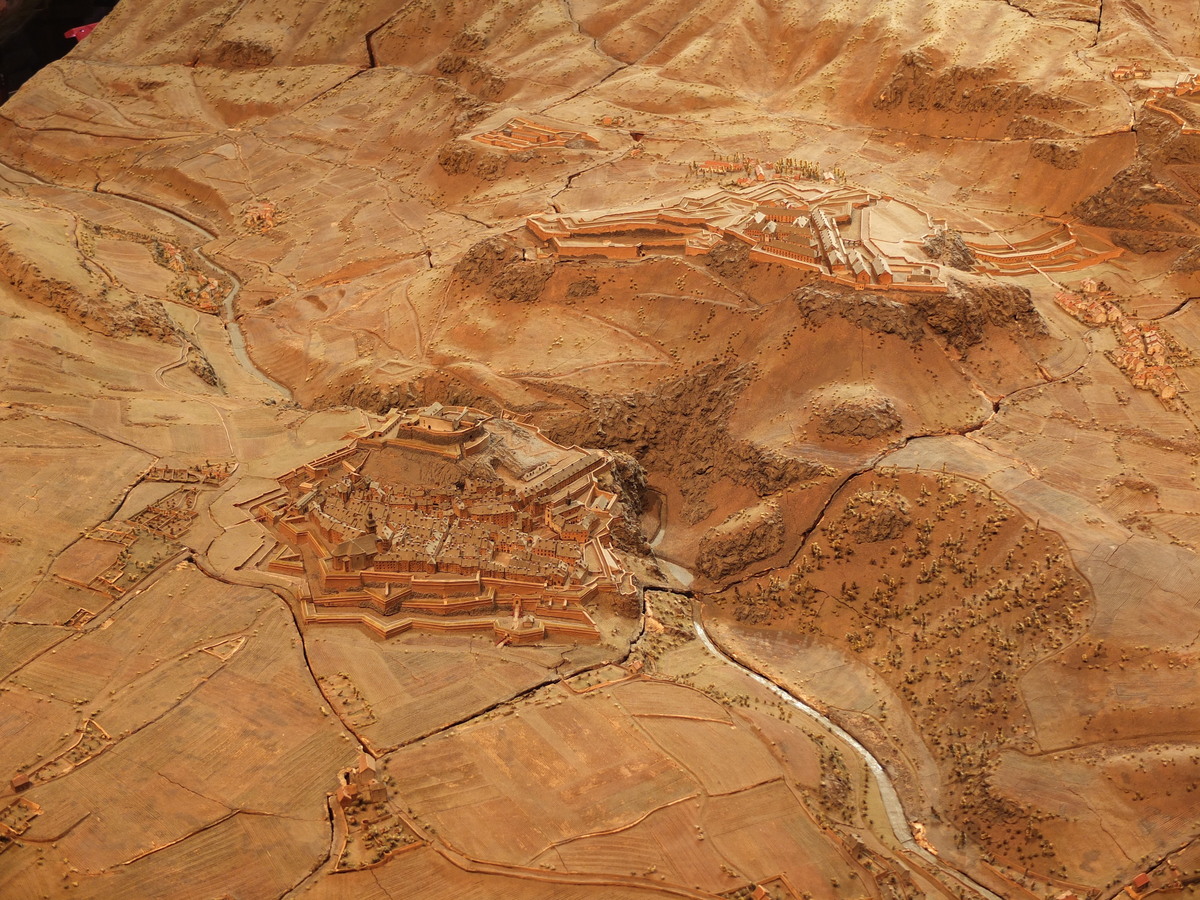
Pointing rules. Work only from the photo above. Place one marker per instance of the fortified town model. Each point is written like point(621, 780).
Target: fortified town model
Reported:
point(600, 450)
point(444, 513)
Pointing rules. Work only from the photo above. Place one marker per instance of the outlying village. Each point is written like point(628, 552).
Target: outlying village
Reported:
point(1146, 353)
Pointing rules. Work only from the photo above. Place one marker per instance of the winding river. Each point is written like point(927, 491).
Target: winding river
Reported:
point(891, 800)
point(237, 340)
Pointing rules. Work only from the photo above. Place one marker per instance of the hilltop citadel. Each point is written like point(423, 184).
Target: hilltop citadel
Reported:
point(845, 234)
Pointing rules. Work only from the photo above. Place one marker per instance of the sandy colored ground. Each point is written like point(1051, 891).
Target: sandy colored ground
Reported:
point(949, 521)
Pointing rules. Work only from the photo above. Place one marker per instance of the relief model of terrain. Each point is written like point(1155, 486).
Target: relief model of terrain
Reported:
point(599, 449)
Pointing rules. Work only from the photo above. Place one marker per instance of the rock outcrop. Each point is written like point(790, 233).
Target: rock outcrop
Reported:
point(947, 246)
point(105, 310)
point(459, 158)
point(486, 259)
point(627, 479)
point(866, 417)
point(1059, 154)
point(746, 537)
point(498, 263)
point(961, 314)
point(920, 84)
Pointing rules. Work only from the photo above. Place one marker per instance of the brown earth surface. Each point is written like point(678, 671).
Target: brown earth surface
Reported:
point(959, 522)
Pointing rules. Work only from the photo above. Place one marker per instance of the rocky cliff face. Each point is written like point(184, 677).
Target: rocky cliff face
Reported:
point(1128, 201)
point(628, 482)
point(498, 264)
point(680, 430)
point(961, 314)
point(920, 85)
point(486, 260)
point(1150, 203)
point(106, 309)
point(875, 313)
